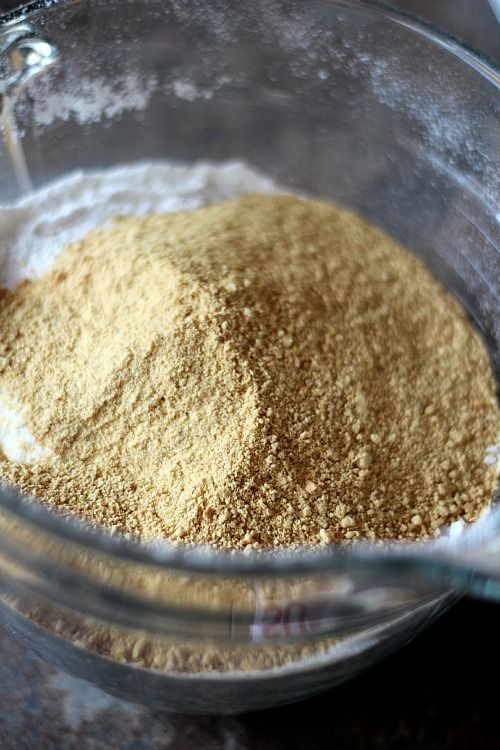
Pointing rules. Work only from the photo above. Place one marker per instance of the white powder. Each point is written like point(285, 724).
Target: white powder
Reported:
point(88, 99)
point(36, 228)
point(16, 441)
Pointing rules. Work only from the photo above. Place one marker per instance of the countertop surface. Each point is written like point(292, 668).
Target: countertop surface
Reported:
point(439, 692)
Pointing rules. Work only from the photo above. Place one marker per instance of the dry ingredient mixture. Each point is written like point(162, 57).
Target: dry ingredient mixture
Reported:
point(262, 372)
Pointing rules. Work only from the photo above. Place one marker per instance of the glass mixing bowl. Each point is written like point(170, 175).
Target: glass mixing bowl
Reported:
point(337, 98)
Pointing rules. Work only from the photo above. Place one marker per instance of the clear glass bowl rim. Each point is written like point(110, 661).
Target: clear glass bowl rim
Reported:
point(203, 559)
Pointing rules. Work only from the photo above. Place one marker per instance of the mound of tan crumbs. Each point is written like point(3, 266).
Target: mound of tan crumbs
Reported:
point(268, 371)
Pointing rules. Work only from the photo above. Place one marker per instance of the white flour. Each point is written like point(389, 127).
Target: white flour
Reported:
point(35, 229)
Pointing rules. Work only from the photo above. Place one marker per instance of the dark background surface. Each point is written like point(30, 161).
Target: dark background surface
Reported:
point(471, 21)
point(440, 692)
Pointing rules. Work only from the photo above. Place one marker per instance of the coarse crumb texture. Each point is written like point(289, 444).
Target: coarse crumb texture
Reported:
point(153, 652)
point(267, 371)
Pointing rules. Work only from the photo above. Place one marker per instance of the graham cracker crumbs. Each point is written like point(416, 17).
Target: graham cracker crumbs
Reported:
point(154, 652)
point(264, 372)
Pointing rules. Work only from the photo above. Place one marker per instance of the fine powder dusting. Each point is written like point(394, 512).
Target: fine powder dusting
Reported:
point(265, 371)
